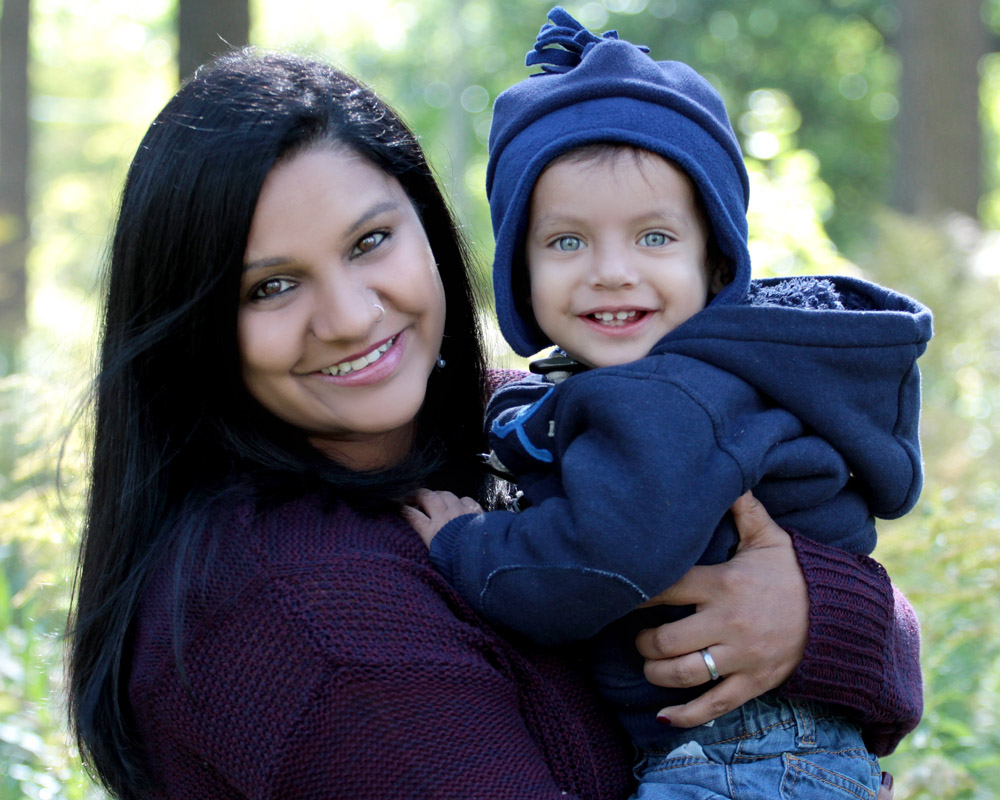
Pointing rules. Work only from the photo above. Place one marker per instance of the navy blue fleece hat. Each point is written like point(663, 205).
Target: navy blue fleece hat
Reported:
point(602, 89)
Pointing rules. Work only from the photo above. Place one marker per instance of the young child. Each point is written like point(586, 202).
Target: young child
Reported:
point(618, 195)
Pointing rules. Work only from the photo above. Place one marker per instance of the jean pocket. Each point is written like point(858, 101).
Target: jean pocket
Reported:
point(823, 775)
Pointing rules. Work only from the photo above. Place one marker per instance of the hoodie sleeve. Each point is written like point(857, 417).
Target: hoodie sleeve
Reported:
point(616, 528)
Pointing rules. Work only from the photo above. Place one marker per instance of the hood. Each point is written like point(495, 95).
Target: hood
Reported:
point(840, 353)
point(603, 89)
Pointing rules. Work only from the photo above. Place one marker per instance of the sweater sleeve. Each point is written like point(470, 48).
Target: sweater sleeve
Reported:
point(863, 653)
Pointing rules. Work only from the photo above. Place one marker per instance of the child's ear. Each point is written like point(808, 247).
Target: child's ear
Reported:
point(719, 276)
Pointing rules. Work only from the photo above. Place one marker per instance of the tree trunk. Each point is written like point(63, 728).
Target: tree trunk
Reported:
point(939, 158)
point(207, 28)
point(13, 175)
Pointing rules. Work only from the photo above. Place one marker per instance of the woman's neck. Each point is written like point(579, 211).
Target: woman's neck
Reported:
point(365, 452)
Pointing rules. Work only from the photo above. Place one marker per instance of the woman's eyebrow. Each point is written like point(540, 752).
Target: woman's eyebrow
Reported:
point(374, 211)
point(265, 262)
point(358, 224)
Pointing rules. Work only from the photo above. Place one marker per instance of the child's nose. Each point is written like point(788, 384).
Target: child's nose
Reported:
point(612, 270)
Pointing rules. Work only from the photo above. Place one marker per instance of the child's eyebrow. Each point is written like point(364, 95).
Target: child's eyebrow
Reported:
point(551, 218)
point(666, 215)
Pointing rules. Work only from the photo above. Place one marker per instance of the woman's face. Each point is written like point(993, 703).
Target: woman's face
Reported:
point(332, 239)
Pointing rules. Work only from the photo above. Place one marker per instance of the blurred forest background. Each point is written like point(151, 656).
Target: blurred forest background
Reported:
point(872, 133)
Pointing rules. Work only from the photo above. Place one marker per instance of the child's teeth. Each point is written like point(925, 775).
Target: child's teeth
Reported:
point(613, 316)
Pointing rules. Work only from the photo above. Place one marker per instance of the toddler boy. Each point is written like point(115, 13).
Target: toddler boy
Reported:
point(618, 195)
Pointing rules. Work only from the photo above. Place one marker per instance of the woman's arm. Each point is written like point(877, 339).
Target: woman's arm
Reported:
point(785, 611)
point(863, 653)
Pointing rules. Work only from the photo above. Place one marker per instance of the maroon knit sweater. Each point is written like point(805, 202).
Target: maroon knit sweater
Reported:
point(325, 658)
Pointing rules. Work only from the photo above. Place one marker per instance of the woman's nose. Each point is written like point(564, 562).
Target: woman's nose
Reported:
point(345, 311)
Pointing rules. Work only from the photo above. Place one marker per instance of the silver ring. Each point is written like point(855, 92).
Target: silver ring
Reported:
point(713, 671)
point(381, 311)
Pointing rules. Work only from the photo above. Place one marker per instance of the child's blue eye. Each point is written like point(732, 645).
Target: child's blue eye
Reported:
point(568, 244)
point(654, 239)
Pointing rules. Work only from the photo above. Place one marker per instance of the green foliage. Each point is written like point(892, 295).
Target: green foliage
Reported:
point(989, 90)
point(946, 554)
point(36, 525)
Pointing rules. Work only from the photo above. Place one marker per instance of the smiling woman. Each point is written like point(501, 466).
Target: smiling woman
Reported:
point(253, 617)
point(342, 308)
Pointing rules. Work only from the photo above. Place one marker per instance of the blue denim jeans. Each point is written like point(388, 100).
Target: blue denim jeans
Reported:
point(767, 749)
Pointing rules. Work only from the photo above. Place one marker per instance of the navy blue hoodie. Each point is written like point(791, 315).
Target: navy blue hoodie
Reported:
point(807, 393)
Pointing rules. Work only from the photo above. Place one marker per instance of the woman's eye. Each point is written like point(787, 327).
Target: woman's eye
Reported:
point(567, 244)
point(272, 287)
point(654, 239)
point(369, 242)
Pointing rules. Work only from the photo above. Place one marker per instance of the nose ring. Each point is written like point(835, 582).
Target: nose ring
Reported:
point(381, 311)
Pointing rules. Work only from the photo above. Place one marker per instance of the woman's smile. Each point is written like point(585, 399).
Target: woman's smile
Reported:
point(356, 364)
point(367, 368)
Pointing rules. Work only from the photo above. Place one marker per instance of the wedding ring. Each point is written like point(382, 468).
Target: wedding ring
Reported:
point(713, 671)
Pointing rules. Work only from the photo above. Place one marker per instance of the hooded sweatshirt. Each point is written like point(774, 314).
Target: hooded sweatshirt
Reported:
point(807, 393)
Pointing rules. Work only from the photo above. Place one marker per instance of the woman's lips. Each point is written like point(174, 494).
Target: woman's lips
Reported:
point(385, 358)
point(360, 362)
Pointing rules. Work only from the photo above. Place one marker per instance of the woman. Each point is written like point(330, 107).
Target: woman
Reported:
point(253, 618)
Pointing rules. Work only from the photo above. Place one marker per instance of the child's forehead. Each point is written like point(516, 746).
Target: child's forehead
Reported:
point(584, 163)
point(607, 152)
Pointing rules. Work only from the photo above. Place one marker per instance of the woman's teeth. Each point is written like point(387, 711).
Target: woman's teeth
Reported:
point(613, 317)
point(359, 363)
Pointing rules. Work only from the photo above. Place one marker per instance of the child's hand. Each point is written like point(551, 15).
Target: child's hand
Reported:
point(431, 511)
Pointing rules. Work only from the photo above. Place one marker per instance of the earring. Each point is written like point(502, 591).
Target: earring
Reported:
point(440, 363)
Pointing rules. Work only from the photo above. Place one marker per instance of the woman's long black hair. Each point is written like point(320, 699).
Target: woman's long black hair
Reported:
point(174, 428)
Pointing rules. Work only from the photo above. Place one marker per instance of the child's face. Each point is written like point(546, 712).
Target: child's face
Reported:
point(616, 253)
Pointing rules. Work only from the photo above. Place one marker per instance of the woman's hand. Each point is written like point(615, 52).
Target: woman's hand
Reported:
point(431, 511)
point(752, 616)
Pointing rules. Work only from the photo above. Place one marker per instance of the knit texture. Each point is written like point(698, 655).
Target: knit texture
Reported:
point(326, 658)
point(602, 89)
point(863, 635)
